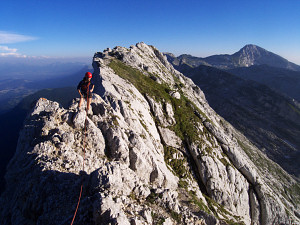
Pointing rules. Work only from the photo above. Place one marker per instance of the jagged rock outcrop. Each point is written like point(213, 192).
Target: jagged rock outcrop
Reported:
point(156, 153)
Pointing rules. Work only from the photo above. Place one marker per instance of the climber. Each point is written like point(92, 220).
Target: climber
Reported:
point(85, 89)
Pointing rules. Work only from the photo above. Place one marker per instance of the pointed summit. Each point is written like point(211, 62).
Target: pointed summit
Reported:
point(251, 47)
point(253, 50)
point(251, 55)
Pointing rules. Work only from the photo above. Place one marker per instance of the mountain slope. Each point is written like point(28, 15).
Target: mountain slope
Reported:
point(268, 119)
point(156, 154)
point(279, 79)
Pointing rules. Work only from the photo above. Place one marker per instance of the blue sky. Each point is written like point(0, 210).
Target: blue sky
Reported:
point(79, 28)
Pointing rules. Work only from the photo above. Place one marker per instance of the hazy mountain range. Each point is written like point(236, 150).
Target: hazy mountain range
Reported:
point(18, 81)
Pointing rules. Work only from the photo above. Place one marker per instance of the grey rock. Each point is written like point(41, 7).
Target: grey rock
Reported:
point(175, 94)
point(169, 138)
point(122, 165)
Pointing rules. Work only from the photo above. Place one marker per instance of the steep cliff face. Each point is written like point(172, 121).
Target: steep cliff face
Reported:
point(156, 153)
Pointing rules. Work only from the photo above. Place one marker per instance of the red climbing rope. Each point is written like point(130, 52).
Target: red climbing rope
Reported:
point(84, 141)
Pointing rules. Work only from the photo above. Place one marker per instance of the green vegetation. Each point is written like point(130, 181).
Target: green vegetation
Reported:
point(182, 183)
point(144, 125)
point(264, 163)
point(143, 83)
point(225, 162)
point(115, 121)
point(176, 216)
point(198, 202)
point(159, 220)
point(219, 209)
point(177, 165)
point(133, 196)
point(294, 191)
point(186, 128)
point(186, 120)
point(183, 108)
point(214, 208)
point(152, 197)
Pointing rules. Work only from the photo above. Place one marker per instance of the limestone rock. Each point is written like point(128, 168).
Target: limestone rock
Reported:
point(153, 150)
point(169, 138)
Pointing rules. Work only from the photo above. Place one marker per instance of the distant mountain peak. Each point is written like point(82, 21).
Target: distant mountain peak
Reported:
point(252, 54)
point(252, 46)
point(247, 56)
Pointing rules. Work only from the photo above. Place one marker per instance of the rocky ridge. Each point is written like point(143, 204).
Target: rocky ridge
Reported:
point(156, 154)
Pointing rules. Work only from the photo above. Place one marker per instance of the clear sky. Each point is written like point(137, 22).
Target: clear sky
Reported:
point(79, 28)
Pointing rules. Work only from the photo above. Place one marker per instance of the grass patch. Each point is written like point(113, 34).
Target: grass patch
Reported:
point(144, 125)
point(214, 208)
point(182, 184)
point(186, 120)
point(294, 191)
point(177, 165)
point(264, 163)
point(157, 219)
point(176, 216)
point(143, 83)
point(198, 202)
point(115, 120)
point(152, 197)
point(133, 196)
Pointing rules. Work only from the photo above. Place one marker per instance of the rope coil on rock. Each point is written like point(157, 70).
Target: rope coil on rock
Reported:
point(84, 141)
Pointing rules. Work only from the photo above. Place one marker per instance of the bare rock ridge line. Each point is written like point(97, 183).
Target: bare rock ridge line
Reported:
point(156, 153)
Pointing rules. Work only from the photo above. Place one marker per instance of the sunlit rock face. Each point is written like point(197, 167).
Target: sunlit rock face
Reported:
point(154, 153)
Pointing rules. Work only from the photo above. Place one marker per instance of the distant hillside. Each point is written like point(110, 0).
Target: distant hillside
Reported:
point(247, 56)
point(282, 80)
